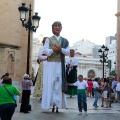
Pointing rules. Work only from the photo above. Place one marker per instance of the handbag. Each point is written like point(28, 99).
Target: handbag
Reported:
point(10, 95)
point(29, 107)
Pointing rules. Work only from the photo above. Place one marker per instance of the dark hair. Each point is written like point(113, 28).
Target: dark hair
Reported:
point(72, 50)
point(96, 79)
point(80, 76)
point(7, 80)
point(105, 80)
point(6, 74)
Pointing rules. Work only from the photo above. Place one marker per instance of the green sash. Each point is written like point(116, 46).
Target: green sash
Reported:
point(81, 91)
point(95, 90)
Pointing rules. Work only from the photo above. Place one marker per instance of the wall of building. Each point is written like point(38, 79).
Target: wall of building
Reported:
point(83, 46)
point(13, 39)
point(118, 38)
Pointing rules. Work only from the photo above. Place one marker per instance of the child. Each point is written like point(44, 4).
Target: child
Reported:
point(81, 93)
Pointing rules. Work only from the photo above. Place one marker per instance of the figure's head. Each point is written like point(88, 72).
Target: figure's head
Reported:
point(56, 28)
point(72, 52)
point(7, 80)
point(43, 41)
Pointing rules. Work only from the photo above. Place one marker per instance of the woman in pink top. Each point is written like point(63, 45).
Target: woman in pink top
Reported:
point(90, 85)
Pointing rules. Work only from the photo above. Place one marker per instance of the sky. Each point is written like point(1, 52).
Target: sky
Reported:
point(91, 20)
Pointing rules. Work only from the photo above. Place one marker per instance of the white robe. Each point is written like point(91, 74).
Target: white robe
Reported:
point(52, 87)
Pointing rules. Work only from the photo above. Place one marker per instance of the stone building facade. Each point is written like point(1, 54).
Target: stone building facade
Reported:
point(118, 39)
point(90, 67)
point(13, 39)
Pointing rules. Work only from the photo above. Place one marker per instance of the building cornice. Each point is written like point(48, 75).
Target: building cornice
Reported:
point(4, 45)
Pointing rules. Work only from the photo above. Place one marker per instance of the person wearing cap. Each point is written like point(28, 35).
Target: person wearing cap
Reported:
point(26, 91)
point(39, 78)
point(55, 86)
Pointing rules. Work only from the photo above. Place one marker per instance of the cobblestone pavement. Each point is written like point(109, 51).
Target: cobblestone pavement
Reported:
point(71, 113)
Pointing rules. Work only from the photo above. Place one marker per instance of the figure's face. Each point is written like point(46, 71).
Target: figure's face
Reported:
point(57, 29)
point(72, 53)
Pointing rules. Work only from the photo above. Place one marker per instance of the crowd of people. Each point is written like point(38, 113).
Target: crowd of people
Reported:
point(56, 78)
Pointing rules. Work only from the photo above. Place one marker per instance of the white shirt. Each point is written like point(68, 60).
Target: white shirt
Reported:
point(1, 82)
point(95, 84)
point(81, 85)
point(48, 51)
point(113, 84)
point(40, 56)
point(118, 86)
point(72, 61)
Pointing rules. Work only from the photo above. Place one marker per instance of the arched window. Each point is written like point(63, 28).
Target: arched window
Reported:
point(10, 64)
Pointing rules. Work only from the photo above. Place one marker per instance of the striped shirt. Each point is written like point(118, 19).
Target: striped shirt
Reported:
point(26, 84)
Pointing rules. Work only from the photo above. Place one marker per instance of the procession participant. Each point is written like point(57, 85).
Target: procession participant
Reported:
point(54, 86)
point(7, 101)
point(96, 92)
point(26, 90)
point(82, 85)
point(71, 73)
point(39, 79)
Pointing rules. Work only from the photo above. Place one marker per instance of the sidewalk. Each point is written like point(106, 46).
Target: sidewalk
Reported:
point(72, 108)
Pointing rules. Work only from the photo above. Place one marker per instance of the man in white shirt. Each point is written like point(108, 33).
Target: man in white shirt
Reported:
point(114, 83)
point(81, 93)
point(96, 93)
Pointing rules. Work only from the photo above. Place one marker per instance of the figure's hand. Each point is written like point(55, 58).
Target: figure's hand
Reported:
point(59, 48)
point(55, 49)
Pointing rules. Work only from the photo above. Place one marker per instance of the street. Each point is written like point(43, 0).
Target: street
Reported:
point(71, 113)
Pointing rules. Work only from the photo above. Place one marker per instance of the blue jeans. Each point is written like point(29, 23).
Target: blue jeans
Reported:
point(96, 94)
point(119, 95)
point(80, 98)
point(6, 111)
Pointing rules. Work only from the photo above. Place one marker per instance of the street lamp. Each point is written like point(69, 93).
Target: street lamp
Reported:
point(115, 66)
point(115, 63)
point(103, 52)
point(29, 26)
point(105, 73)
